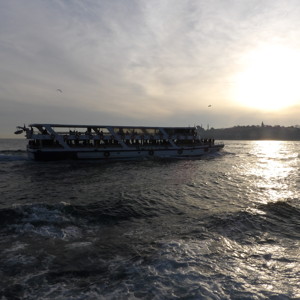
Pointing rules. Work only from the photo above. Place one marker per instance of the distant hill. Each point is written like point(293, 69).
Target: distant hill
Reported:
point(254, 132)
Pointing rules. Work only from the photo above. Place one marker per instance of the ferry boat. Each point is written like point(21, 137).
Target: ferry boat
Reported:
point(102, 142)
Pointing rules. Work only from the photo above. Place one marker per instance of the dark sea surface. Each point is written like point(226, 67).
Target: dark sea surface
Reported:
point(223, 227)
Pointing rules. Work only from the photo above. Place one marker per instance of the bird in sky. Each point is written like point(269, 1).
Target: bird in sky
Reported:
point(209, 105)
point(59, 90)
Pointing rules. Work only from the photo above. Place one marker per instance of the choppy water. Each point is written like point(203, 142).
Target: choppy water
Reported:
point(223, 227)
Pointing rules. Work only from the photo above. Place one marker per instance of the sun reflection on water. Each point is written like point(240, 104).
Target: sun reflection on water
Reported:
point(271, 170)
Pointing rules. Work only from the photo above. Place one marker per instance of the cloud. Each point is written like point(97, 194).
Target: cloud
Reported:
point(132, 60)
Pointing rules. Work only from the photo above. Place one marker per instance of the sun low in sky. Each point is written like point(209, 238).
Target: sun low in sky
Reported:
point(269, 79)
point(158, 62)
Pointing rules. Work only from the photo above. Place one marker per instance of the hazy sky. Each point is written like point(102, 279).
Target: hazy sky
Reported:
point(149, 62)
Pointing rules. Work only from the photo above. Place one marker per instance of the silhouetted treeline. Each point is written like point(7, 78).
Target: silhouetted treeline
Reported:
point(262, 132)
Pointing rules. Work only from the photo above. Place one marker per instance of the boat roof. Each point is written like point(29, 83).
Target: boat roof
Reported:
point(106, 126)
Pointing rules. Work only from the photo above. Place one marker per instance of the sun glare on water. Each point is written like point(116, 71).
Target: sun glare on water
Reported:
point(273, 165)
point(270, 79)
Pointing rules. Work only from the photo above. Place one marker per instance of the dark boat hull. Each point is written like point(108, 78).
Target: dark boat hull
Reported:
point(120, 154)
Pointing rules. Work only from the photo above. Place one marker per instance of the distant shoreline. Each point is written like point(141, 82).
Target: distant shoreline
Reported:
point(254, 132)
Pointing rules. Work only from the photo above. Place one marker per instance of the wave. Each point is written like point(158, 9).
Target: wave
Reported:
point(13, 155)
point(282, 213)
point(62, 247)
point(13, 151)
point(44, 220)
point(12, 158)
point(25, 217)
point(280, 219)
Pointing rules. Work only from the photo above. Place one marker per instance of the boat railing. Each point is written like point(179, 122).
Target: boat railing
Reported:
point(94, 139)
point(107, 135)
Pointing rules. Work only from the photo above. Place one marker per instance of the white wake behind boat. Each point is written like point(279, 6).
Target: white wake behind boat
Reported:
point(101, 142)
